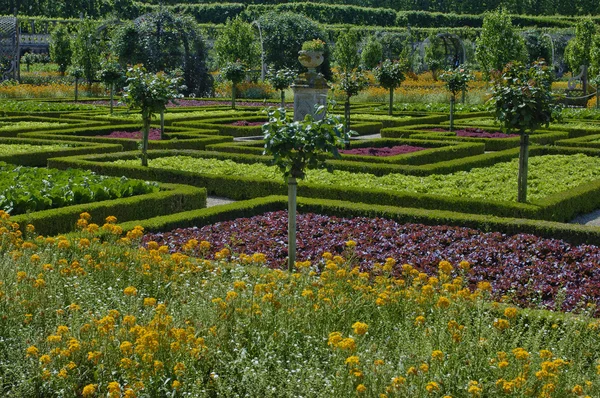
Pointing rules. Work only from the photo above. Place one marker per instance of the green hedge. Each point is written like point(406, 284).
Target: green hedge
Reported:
point(172, 198)
point(177, 138)
point(581, 142)
point(560, 207)
point(437, 151)
point(10, 131)
point(40, 159)
point(573, 233)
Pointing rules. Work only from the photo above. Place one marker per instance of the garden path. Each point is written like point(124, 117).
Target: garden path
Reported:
point(217, 201)
point(591, 219)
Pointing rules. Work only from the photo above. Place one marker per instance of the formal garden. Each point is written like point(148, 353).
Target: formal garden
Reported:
point(275, 204)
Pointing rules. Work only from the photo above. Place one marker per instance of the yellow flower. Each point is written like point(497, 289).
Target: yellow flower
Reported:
point(398, 381)
point(474, 388)
point(32, 351)
point(510, 312)
point(89, 390)
point(45, 359)
point(130, 291)
point(111, 219)
point(484, 286)
point(520, 354)
point(420, 320)
point(176, 385)
point(351, 244)
point(352, 360)
point(114, 389)
point(347, 344)
point(501, 324)
point(378, 362)
point(424, 367)
point(149, 302)
point(443, 302)
point(445, 267)
point(126, 347)
point(577, 390)
point(546, 354)
point(361, 388)
point(360, 328)
point(432, 387)
point(179, 368)
point(437, 355)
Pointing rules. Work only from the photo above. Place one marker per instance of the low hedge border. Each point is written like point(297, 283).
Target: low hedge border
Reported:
point(541, 137)
point(40, 159)
point(172, 198)
point(573, 233)
point(560, 207)
point(574, 132)
point(9, 131)
point(177, 138)
point(581, 142)
point(437, 150)
point(172, 117)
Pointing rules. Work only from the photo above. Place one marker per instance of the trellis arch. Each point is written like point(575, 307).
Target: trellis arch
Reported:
point(453, 45)
point(9, 48)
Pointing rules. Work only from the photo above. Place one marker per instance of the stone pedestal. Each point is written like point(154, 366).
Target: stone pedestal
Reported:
point(310, 89)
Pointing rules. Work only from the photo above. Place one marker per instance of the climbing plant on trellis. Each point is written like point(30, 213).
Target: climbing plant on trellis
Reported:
point(9, 48)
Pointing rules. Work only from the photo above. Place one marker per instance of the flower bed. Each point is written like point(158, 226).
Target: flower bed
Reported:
point(476, 133)
point(154, 134)
point(384, 151)
point(31, 189)
point(530, 270)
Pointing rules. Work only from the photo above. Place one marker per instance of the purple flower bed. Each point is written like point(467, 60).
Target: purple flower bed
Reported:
point(194, 102)
point(529, 269)
point(154, 134)
point(477, 133)
point(245, 123)
point(385, 151)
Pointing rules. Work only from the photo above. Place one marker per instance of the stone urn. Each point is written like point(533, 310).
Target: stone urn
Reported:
point(310, 59)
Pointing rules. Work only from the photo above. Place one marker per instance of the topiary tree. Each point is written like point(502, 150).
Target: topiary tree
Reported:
point(390, 75)
point(60, 48)
point(77, 73)
point(235, 72)
point(236, 41)
point(150, 93)
point(85, 50)
point(297, 147)
point(579, 49)
point(372, 53)
point(522, 101)
point(110, 74)
point(281, 80)
point(457, 81)
point(499, 43)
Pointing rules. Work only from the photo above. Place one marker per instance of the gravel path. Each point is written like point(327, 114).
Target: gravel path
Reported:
point(591, 219)
point(217, 201)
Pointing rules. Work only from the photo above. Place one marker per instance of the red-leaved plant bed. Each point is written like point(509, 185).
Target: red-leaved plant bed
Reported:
point(385, 151)
point(154, 134)
point(528, 269)
point(476, 133)
point(245, 123)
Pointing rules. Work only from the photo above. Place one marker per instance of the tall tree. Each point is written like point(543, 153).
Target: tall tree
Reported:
point(60, 48)
point(85, 49)
point(237, 41)
point(579, 48)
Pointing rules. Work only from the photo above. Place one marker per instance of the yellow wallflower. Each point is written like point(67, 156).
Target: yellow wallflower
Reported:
point(351, 244)
point(445, 267)
point(501, 324)
point(89, 390)
point(352, 360)
point(130, 291)
point(360, 328)
point(32, 351)
point(361, 388)
point(510, 312)
point(437, 355)
point(432, 387)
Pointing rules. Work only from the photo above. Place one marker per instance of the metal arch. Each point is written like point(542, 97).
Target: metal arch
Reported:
point(9, 47)
point(446, 36)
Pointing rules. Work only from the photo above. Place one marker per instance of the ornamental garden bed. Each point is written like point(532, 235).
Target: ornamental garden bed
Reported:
point(174, 115)
point(433, 151)
point(475, 132)
point(511, 263)
point(174, 138)
point(590, 141)
point(12, 126)
point(573, 189)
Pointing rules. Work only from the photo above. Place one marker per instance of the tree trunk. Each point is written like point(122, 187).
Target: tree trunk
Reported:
point(452, 101)
point(523, 164)
point(464, 96)
point(292, 189)
point(76, 88)
point(391, 102)
point(162, 124)
point(283, 99)
point(232, 95)
point(145, 134)
point(347, 122)
point(597, 97)
point(112, 94)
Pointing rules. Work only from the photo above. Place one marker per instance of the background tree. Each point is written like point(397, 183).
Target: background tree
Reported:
point(281, 80)
point(236, 41)
point(499, 43)
point(86, 54)
point(60, 48)
point(351, 80)
point(595, 56)
point(77, 74)
point(390, 75)
point(435, 55)
point(150, 93)
point(372, 53)
point(235, 72)
point(522, 100)
point(457, 81)
point(283, 36)
point(579, 49)
point(110, 74)
point(296, 147)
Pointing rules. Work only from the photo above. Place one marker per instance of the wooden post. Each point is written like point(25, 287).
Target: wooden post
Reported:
point(292, 189)
point(523, 165)
point(283, 99)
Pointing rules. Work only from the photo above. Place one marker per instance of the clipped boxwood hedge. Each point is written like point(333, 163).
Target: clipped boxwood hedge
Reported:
point(560, 207)
point(13, 131)
point(39, 159)
point(573, 233)
point(177, 138)
point(589, 141)
point(172, 198)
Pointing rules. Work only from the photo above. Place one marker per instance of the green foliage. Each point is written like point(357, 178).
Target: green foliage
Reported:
point(595, 57)
point(60, 48)
point(578, 49)
point(499, 42)
point(522, 98)
point(372, 53)
point(86, 53)
point(345, 51)
point(352, 83)
point(110, 71)
point(282, 78)
point(32, 189)
point(390, 74)
point(313, 45)
point(236, 41)
point(298, 146)
point(11, 149)
point(457, 79)
point(235, 72)
point(75, 71)
point(435, 55)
